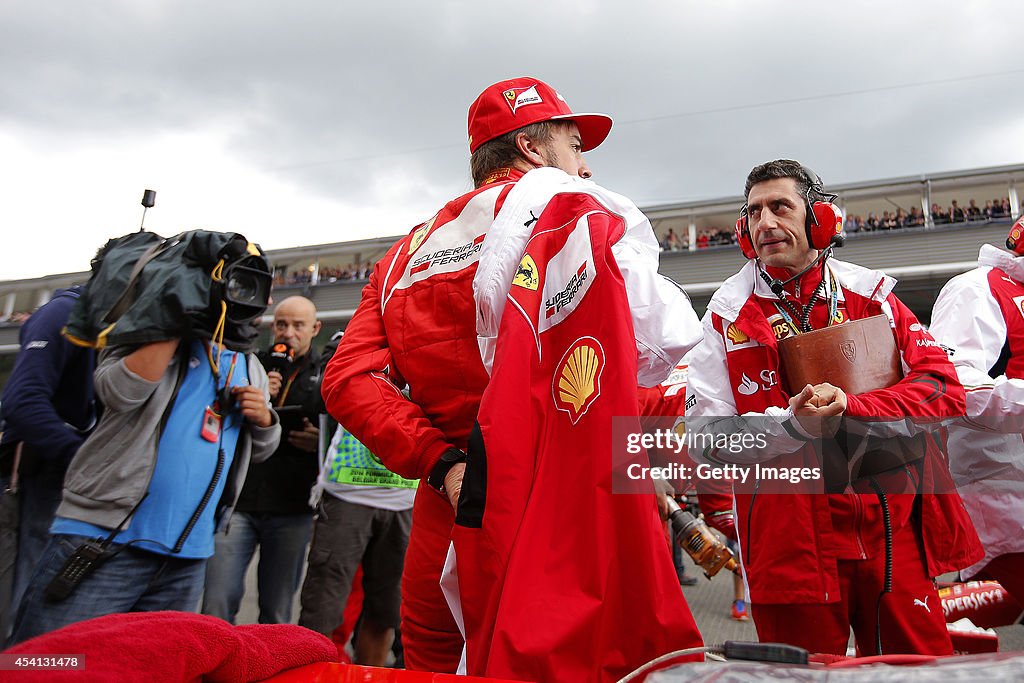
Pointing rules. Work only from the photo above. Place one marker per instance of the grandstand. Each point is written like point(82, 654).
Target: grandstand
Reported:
point(923, 258)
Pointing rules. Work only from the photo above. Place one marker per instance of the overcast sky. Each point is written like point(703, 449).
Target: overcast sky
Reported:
point(326, 120)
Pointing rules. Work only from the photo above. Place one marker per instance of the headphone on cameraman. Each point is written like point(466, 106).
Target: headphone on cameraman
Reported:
point(824, 223)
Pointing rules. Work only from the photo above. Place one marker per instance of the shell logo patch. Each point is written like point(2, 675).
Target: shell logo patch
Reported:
point(736, 336)
point(520, 97)
point(577, 381)
point(420, 235)
point(526, 274)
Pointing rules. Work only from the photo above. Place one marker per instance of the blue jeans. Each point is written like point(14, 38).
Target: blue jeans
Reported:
point(8, 553)
point(129, 581)
point(282, 540)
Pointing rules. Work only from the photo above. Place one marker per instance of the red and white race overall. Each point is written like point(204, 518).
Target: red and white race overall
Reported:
point(415, 327)
point(560, 577)
point(978, 315)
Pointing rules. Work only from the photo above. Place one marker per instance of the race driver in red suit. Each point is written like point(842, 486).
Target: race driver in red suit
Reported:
point(815, 563)
point(415, 328)
point(563, 575)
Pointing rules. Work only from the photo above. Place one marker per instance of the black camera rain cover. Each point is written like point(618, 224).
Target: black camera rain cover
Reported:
point(172, 295)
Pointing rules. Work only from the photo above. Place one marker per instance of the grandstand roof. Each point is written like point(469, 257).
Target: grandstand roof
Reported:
point(922, 258)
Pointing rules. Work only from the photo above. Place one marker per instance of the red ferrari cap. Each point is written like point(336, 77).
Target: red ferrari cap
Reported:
point(512, 104)
point(1015, 240)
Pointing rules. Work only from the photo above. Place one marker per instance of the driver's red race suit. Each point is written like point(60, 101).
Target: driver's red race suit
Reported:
point(563, 570)
point(415, 327)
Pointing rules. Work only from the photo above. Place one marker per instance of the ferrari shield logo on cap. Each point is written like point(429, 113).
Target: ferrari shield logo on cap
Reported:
point(577, 381)
point(519, 97)
point(526, 274)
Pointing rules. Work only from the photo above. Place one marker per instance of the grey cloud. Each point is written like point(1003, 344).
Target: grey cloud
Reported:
point(337, 97)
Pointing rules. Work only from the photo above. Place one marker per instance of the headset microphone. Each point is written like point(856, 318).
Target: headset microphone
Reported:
point(778, 286)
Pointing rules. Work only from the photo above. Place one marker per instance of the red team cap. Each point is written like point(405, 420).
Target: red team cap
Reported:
point(1015, 240)
point(517, 102)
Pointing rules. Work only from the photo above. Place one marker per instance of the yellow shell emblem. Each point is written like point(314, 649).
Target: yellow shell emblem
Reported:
point(736, 336)
point(526, 274)
point(577, 381)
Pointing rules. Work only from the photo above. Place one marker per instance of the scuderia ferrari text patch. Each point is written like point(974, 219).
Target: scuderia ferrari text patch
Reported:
point(568, 277)
point(441, 247)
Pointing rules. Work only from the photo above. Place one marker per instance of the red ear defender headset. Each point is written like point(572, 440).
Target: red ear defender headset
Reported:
point(824, 224)
point(1015, 240)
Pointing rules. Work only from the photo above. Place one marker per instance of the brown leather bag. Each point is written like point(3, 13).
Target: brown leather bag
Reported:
point(856, 356)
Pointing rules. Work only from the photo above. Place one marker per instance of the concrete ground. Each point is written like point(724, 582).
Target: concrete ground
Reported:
point(708, 600)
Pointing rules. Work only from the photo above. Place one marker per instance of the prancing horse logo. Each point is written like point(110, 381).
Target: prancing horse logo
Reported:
point(849, 349)
point(526, 274)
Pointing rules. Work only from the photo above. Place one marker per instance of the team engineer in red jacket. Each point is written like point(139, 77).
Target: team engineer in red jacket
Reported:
point(815, 563)
point(415, 327)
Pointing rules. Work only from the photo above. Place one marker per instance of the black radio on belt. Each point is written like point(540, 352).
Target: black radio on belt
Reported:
point(86, 559)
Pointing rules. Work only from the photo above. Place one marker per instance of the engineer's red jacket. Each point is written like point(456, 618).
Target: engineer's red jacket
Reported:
point(787, 540)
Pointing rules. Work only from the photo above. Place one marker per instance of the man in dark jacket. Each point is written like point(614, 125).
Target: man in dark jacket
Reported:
point(48, 409)
point(273, 510)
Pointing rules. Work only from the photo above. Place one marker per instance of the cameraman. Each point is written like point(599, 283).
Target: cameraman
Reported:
point(273, 510)
point(178, 415)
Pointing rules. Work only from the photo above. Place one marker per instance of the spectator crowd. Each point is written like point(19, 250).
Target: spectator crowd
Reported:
point(353, 271)
point(994, 210)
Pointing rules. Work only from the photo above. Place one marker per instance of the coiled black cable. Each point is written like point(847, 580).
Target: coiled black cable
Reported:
point(887, 578)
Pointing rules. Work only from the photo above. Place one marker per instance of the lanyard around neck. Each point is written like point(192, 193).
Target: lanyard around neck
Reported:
point(833, 304)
